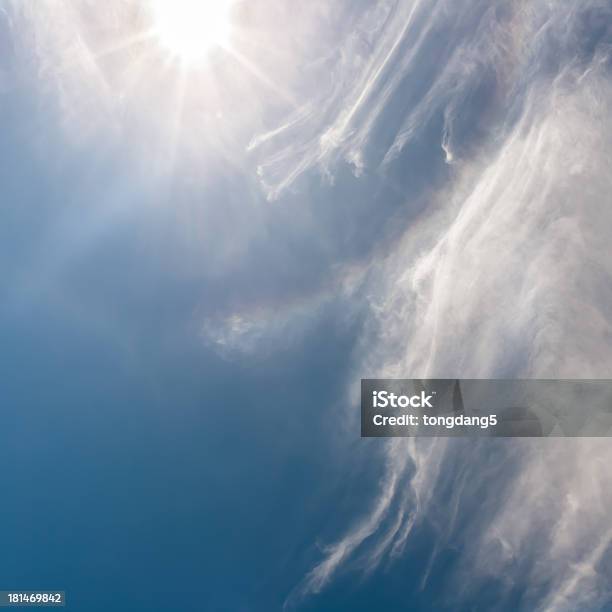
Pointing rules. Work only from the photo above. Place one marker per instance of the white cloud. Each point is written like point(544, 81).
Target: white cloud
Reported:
point(507, 274)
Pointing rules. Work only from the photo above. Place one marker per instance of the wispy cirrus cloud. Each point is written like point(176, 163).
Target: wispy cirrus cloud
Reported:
point(396, 69)
point(505, 274)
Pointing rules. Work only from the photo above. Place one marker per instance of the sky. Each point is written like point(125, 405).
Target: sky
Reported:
point(205, 247)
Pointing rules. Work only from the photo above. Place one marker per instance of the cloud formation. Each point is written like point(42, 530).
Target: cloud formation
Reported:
point(507, 273)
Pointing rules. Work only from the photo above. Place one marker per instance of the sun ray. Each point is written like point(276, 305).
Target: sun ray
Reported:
point(256, 72)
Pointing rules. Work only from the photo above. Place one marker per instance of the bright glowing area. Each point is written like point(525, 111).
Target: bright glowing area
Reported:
point(191, 28)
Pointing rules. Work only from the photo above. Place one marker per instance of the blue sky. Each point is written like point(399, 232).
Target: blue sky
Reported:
point(203, 256)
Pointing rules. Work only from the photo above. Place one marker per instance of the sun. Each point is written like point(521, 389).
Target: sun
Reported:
point(189, 29)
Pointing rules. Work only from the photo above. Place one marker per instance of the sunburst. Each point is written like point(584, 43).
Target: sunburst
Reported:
point(190, 29)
